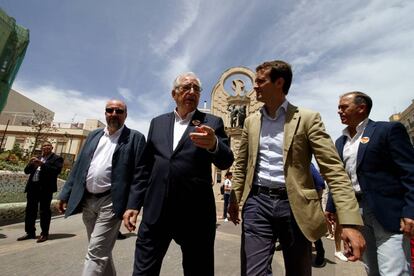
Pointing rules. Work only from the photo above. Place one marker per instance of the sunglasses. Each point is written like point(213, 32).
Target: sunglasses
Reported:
point(111, 110)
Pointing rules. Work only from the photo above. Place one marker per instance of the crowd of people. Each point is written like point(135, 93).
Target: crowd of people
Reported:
point(369, 172)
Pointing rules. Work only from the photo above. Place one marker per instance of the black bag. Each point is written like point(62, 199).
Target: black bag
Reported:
point(222, 189)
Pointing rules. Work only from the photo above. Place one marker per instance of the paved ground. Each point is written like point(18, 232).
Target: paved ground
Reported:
point(63, 253)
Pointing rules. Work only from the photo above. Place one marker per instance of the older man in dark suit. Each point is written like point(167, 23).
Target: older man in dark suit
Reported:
point(379, 159)
point(100, 182)
point(178, 199)
point(40, 187)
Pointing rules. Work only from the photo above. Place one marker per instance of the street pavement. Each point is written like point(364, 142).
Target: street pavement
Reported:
point(64, 252)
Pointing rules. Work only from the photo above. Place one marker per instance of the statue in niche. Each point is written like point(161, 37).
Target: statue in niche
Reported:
point(233, 115)
point(241, 115)
point(238, 87)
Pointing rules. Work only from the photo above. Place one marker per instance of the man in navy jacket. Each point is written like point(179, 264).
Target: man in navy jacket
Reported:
point(178, 201)
point(99, 185)
point(379, 159)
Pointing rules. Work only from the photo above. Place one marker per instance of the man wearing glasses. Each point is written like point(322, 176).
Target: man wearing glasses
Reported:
point(100, 183)
point(177, 198)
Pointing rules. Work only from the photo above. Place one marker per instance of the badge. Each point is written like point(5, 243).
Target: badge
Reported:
point(364, 140)
point(196, 122)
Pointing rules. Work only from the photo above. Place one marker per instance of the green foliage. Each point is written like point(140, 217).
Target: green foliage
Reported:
point(18, 151)
point(12, 160)
point(6, 165)
point(64, 174)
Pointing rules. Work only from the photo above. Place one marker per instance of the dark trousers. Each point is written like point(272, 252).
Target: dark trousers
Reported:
point(265, 220)
point(226, 204)
point(194, 234)
point(319, 247)
point(34, 200)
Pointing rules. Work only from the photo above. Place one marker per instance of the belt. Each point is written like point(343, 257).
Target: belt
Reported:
point(273, 192)
point(98, 195)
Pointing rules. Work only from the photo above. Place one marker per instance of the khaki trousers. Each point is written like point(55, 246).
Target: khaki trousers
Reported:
point(102, 228)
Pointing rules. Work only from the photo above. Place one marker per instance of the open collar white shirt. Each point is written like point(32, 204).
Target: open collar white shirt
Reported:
point(180, 125)
point(269, 168)
point(98, 179)
point(350, 152)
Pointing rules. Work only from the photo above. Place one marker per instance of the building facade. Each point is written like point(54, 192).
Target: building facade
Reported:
point(16, 129)
point(406, 117)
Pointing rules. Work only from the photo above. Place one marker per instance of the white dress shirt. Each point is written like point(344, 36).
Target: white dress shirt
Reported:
point(269, 168)
point(180, 125)
point(36, 175)
point(350, 152)
point(98, 179)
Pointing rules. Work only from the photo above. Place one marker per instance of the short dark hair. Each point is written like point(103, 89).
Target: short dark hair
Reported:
point(278, 69)
point(360, 98)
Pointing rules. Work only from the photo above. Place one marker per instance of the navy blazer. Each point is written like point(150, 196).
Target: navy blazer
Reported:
point(317, 178)
point(126, 167)
point(48, 174)
point(181, 173)
point(385, 171)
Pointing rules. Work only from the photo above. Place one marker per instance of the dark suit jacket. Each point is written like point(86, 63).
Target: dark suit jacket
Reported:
point(317, 178)
point(125, 168)
point(385, 171)
point(183, 173)
point(48, 174)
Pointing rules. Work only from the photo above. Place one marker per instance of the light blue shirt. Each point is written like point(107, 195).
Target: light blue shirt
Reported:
point(269, 167)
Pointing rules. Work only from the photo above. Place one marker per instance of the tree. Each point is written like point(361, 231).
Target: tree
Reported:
point(41, 123)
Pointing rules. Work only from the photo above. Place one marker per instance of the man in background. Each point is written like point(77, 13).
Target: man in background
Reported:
point(226, 194)
point(42, 183)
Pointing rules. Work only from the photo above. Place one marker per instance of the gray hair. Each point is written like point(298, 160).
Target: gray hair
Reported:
point(177, 81)
point(360, 98)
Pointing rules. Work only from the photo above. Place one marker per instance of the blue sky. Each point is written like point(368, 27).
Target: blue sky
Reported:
point(83, 52)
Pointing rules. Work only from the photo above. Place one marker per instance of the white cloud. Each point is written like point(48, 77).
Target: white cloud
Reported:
point(333, 46)
point(68, 105)
point(338, 47)
point(177, 27)
point(125, 93)
point(75, 106)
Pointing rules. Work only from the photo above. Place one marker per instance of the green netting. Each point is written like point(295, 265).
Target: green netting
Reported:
point(14, 40)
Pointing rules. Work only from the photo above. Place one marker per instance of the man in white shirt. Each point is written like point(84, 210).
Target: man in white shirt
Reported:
point(178, 199)
point(100, 183)
point(379, 159)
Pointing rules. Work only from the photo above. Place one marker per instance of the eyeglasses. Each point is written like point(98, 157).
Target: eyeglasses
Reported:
point(188, 87)
point(110, 110)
